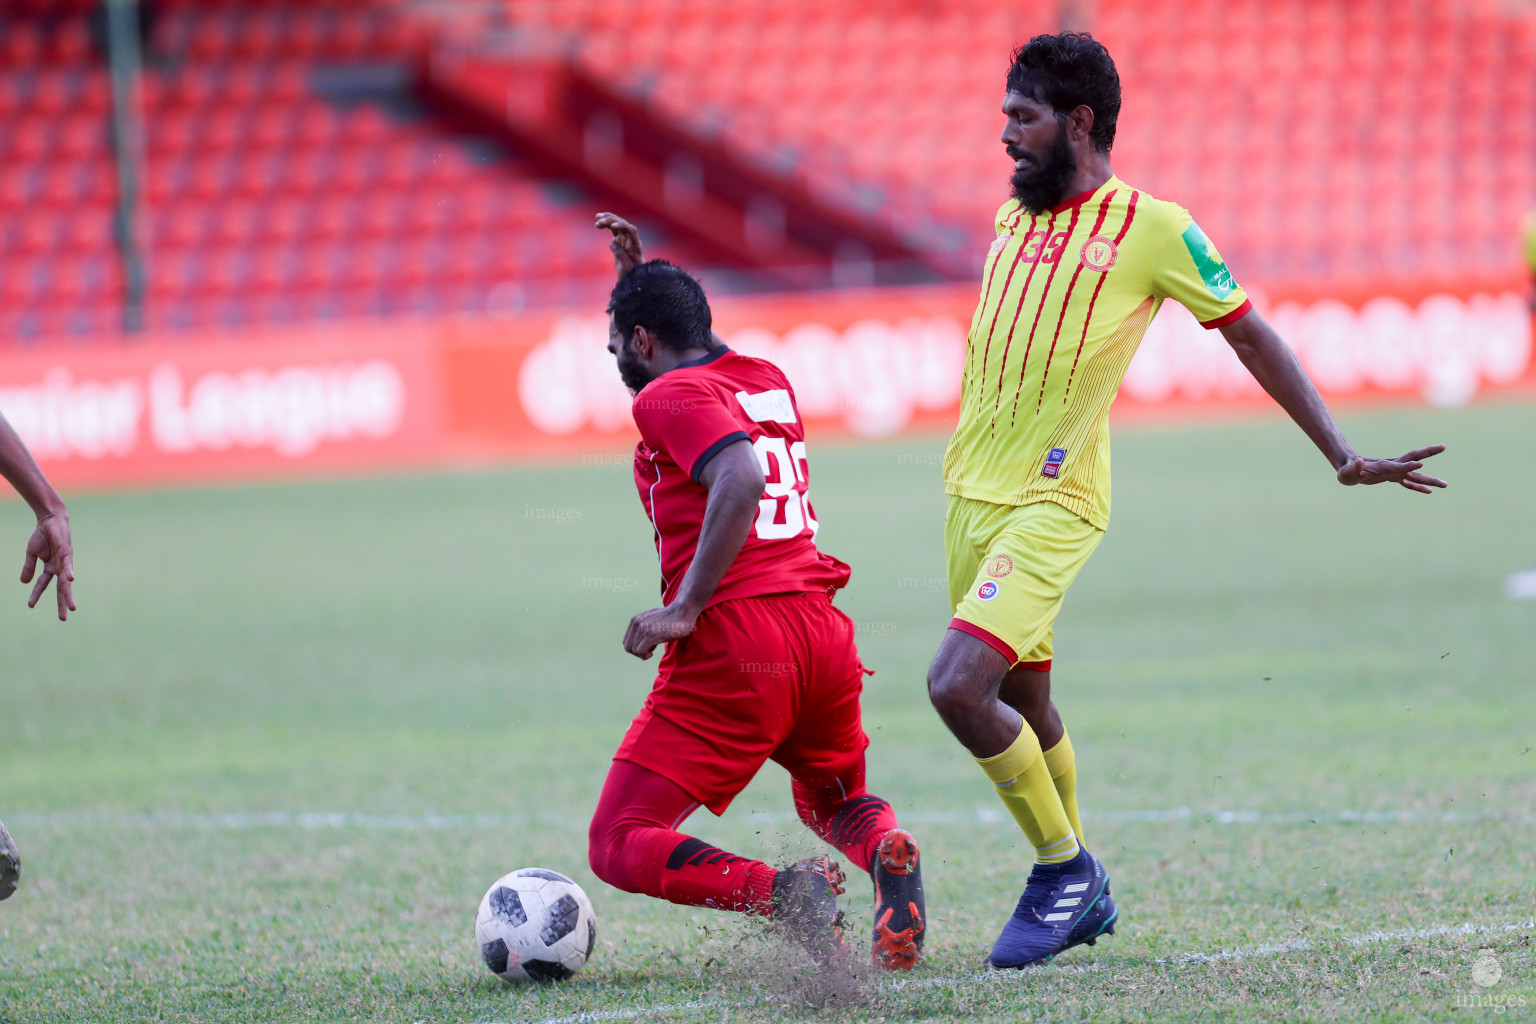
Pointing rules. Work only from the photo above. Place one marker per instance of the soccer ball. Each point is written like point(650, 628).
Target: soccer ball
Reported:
point(535, 925)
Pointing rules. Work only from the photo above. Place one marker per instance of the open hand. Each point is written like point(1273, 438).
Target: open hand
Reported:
point(657, 626)
point(1403, 471)
point(625, 243)
point(50, 544)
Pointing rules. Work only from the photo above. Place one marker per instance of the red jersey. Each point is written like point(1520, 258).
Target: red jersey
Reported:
point(686, 416)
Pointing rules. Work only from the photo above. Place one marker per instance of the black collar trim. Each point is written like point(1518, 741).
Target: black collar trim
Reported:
point(704, 360)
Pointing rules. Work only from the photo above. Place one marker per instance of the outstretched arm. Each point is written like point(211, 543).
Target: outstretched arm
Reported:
point(1277, 370)
point(50, 540)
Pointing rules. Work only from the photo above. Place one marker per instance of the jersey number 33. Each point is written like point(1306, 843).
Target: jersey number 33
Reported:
point(785, 510)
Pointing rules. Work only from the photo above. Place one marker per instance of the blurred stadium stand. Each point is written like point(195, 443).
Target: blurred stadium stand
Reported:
point(1310, 137)
point(321, 160)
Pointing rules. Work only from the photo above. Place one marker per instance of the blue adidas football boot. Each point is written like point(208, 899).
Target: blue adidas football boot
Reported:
point(1099, 921)
point(1057, 898)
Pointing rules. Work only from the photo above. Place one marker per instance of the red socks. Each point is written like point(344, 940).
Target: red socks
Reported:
point(635, 846)
point(854, 826)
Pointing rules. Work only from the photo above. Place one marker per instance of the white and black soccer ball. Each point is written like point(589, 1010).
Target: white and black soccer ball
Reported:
point(535, 925)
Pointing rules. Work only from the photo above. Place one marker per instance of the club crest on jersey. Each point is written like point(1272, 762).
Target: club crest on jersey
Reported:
point(1099, 253)
point(988, 590)
point(1053, 462)
point(999, 566)
point(999, 244)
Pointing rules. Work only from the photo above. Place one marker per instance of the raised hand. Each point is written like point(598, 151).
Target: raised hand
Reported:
point(625, 243)
point(50, 544)
point(1403, 471)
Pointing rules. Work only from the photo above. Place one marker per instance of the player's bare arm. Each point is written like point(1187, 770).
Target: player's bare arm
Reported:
point(1277, 370)
point(50, 542)
point(734, 480)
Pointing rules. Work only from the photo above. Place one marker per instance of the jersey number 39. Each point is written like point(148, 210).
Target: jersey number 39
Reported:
point(786, 509)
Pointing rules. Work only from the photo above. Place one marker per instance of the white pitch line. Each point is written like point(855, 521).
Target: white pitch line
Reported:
point(249, 820)
point(1271, 949)
point(592, 1016)
point(1276, 949)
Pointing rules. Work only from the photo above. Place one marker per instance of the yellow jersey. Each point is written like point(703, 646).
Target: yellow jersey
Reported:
point(1066, 296)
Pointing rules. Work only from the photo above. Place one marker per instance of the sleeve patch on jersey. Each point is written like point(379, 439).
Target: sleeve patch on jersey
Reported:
point(1213, 269)
point(768, 406)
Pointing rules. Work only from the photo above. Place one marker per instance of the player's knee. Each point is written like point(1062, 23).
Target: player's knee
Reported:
point(952, 694)
point(602, 848)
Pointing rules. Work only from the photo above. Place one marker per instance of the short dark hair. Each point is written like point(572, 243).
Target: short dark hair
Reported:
point(1067, 71)
point(664, 299)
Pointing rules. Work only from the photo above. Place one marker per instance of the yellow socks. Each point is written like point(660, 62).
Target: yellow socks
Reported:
point(1062, 766)
point(1024, 784)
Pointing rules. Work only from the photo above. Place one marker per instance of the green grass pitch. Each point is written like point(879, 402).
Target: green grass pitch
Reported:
point(295, 731)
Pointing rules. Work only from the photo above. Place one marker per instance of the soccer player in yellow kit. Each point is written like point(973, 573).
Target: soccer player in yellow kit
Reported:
point(1080, 265)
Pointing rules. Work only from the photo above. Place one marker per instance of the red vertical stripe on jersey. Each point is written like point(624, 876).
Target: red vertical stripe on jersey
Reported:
point(1040, 308)
point(1065, 302)
point(1003, 295)
point(1130, 215)
point(1023, 293)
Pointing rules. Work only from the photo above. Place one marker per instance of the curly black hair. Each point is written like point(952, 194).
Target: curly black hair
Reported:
point(667, 301)
point(1066, 71)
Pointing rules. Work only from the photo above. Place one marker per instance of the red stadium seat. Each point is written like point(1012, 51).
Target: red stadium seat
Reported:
point(70, 42)
point(21, 44)
point(303, 34)
point(208, 37)
point(258, 34)
point(288, 82)
point(317, 124)
point(351, 34)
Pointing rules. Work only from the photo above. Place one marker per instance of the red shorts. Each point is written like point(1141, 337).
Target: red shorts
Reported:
point(775, 677)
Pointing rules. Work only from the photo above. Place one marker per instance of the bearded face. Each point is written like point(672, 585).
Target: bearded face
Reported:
point(1041, 178)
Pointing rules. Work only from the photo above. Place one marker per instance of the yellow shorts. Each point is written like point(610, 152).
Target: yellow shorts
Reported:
point(1009, 568)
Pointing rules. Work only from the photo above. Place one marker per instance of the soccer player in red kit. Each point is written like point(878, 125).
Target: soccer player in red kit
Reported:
point(50, 545)
point(759, 664)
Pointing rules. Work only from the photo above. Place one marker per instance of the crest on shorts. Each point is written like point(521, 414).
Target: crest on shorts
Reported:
point(988, 590)
point(1099, 253)
point(999, 244)
point(999, 566)
point(1053, 462)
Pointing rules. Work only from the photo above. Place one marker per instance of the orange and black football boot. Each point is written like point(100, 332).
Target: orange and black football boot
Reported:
point(805, 907)
point(901, 917)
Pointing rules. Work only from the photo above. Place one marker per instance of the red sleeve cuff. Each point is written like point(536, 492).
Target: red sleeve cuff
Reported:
point(994, 642)
point(1227, 318)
